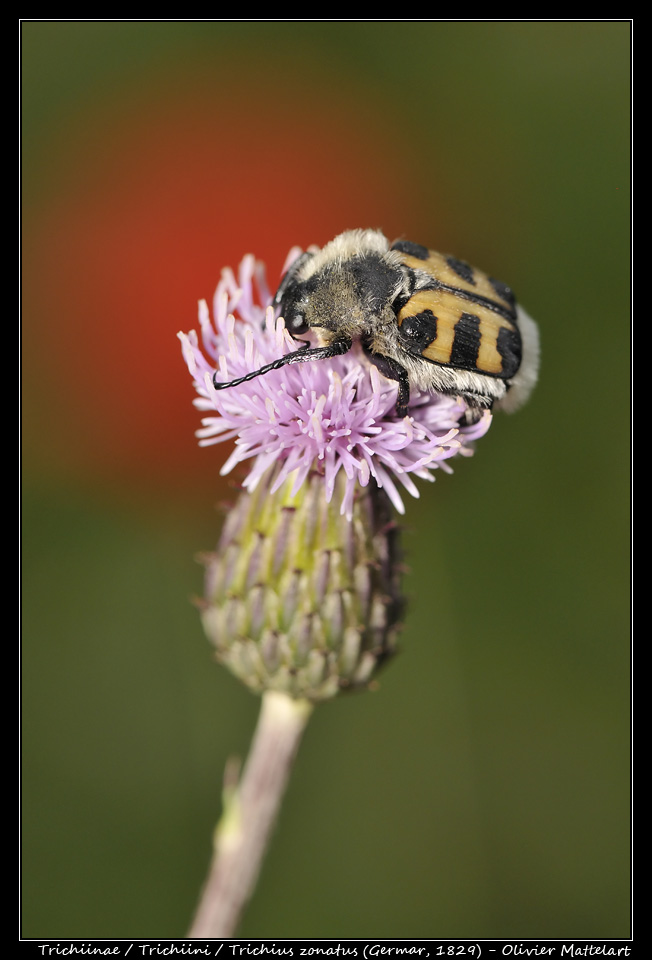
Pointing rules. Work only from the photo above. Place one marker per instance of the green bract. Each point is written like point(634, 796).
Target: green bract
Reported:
point(300, 599)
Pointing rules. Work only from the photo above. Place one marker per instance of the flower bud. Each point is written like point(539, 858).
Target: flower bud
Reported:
point(300, 598)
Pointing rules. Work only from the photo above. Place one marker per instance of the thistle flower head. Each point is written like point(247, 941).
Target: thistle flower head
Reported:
point(333, 416)
point(302, 595)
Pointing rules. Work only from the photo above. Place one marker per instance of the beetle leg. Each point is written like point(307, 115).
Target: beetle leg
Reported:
point(304, 355)
point(393, 371)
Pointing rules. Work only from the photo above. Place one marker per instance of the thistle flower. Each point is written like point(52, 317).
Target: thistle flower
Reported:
point(297, 600)
point(302, 596)
point(333, 417)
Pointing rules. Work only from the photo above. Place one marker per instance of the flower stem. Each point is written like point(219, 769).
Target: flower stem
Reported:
point(250, 811)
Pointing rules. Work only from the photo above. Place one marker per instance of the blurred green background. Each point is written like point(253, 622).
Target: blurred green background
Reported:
point(483, 790)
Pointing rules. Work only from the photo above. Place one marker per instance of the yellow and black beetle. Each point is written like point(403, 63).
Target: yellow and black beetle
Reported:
point(426, 320)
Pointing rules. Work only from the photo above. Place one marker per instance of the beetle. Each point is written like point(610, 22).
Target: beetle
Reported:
point(427, 320)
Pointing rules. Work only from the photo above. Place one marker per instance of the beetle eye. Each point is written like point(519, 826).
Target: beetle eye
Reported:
point(296, 323)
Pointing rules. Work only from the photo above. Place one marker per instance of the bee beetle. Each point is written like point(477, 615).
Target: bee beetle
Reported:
point(426, 320)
